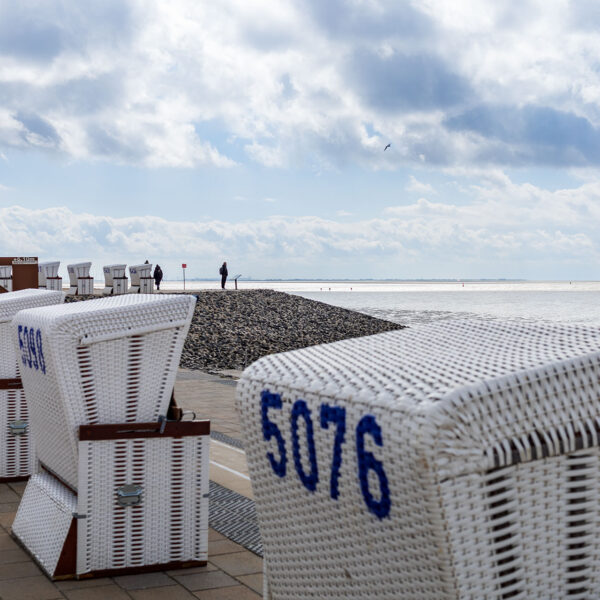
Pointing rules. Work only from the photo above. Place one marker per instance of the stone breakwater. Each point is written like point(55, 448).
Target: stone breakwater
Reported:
point(232, 329)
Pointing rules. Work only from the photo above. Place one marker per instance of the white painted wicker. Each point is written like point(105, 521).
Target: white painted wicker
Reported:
point(168, 526)
point(80, 281)
point(10, 304)
point(16, 453)
point(47, 270)
point(115, 281)
point(110, 360)
point(120, 488)
point(456, 460)
point(44, 517)
point(140, 277)
point(146, 285)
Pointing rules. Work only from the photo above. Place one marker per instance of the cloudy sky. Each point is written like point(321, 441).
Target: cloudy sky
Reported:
point(254, 132)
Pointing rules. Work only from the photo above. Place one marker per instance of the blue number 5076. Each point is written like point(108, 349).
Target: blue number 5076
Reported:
point(336, 415)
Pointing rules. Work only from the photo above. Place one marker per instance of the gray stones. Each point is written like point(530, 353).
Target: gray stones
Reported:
point(233, 329)
point(230, 330)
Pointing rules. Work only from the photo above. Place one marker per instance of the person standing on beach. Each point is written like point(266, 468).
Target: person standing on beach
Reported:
point(223, 272)
point(158, 275)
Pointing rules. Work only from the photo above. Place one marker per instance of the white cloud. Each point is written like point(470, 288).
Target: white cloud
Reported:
point(414, 185)
point(137, 82)
point(513, 224)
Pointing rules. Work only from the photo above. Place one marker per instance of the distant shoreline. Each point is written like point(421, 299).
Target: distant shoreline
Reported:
point(301, 280)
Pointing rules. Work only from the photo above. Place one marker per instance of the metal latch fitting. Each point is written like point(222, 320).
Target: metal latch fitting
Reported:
point(18, 427)
point(129, 495)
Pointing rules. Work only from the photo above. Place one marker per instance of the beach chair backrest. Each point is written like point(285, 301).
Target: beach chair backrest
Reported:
point(453, 460)
point(110, 360)
point(10, 304)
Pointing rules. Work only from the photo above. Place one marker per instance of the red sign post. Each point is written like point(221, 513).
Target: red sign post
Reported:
point(184, 267)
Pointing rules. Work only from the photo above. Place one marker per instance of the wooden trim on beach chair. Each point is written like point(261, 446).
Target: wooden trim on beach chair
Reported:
point(174, 413)
point(128, 431)
point(11, 384)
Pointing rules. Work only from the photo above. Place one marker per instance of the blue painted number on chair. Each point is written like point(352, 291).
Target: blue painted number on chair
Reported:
point(370, 470)
point(270, 429)
point(300, 409)
point(367, 462)
point(31, 346)
point(336, 415)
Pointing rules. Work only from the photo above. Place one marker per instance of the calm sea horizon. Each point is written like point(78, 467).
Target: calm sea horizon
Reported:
point(417, 302)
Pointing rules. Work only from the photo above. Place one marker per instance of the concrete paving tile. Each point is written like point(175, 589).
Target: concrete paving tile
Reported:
point(19, 569)
point(223, 547)
point(9, 507)
point(239, 563)
point(254, 581)
point(102, 592)
point(215, 535)
point(192, 570)
point(13, 555)
point(144, 581)
point(6, 519)
point(7, 495)
point(29, 588)
point(7, 542)
point(231, 481)
point(18, 487)
point(206, 581)
point(162, 593)
point(239, 592)
point(81, 584)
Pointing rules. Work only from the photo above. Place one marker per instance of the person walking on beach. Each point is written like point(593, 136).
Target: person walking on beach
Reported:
point(158, 275)
point(223, 272)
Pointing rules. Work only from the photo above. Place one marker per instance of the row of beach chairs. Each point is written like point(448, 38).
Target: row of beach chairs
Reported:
point(459, 460)
point(117, 481)
point(115, 279)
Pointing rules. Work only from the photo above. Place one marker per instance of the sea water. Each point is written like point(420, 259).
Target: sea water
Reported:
point(413, 303)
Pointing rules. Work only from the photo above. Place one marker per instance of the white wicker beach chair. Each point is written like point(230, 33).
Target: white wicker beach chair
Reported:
point(457, 460)
point(16, 453)
point(80, 281)
point(48, 276)
point(142, 281)
point(115, 280)
point(120, 488)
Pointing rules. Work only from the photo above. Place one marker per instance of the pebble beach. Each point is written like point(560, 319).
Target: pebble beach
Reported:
point(232, 329)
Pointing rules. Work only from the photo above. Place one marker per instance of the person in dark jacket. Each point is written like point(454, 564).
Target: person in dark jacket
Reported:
point(158, 275)
point(223, 272)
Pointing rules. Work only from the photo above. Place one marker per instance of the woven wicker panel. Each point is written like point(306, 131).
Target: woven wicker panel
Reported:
point(16, 452)
point(10, 304)
point(171, 522)
point(43, 519)
point(375, 463)
point(17, 458)
point(105, 361)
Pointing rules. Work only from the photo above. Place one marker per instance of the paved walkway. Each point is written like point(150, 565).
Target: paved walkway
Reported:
point(232, 573)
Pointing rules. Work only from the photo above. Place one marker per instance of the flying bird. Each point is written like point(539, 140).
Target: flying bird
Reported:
point(386, 147)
